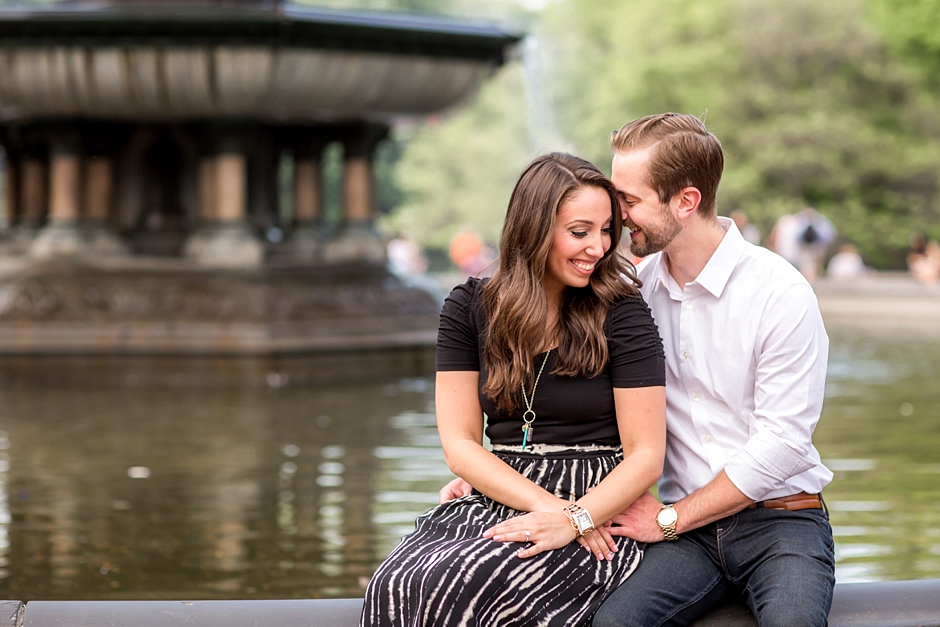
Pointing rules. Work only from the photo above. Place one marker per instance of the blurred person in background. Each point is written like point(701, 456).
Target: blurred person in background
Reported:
point(471, 256)
point(846, 264)
point(816, 233)
point(803, 239)
point(405, 257)
point(918, 246)
point(924, 259)
point(925, 265)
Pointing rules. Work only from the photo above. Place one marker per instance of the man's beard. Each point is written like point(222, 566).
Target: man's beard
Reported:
point(656, 237)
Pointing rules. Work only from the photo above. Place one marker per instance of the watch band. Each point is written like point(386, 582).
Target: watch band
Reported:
point(580, 519)
point(669, 530)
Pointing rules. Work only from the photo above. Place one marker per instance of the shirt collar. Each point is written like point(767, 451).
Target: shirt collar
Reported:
point(714, 276)
point(659, 272)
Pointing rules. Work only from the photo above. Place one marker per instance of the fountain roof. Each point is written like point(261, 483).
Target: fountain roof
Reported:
point(285, 24)
point(270, 61)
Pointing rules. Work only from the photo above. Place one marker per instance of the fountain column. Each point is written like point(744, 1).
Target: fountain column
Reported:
point(32, 209)
point(65, 174)
point(12, 189)
point(356, 239)
point(99, 201)
point(224, 237)
point(231, 191)
point(61, 236)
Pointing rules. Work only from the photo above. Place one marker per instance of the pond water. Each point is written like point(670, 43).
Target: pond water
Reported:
point(280, 492)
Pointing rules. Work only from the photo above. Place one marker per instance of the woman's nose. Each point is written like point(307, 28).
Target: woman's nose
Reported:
point(596, 245)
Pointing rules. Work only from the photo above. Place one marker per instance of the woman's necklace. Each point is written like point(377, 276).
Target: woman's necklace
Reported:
point(529, 416)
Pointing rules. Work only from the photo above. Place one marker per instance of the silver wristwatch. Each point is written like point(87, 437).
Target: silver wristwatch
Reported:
point(580, 519)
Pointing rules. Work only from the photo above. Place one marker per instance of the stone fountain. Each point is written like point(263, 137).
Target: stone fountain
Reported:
point(144, 142)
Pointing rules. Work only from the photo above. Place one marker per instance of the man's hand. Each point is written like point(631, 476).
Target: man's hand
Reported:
point(454, 490)
point(638, 521)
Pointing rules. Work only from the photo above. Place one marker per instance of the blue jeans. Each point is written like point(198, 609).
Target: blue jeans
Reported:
point(780, 562)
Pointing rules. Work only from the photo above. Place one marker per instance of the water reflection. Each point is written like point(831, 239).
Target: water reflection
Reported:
point(5, 517)
point(879, 434)
point(292, 491)
point(332, 511)
point(409, 475)
point(192, 494)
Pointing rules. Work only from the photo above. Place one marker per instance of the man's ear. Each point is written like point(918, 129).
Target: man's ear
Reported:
point(686, 202)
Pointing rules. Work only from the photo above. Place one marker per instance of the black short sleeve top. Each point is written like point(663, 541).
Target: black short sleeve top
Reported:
point(569, 410)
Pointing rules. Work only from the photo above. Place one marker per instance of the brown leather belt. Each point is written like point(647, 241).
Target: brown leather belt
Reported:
point(794, 502)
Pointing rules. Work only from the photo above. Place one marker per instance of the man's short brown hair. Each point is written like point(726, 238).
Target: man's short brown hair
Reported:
point(683, 153)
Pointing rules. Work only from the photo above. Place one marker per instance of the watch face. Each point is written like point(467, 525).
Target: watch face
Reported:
point(667, 516)
point(584, 520)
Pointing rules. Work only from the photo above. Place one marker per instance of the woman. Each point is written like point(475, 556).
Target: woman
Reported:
point(562, 355)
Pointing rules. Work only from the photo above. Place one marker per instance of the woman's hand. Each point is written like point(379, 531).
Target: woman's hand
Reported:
point(543, 531)
point(600, 542)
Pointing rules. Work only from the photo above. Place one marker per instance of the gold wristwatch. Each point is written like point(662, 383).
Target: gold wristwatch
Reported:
point(667, 519)
point(580, 519)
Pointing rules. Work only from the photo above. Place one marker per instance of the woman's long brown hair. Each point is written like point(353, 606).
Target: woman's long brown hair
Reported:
point(515, 301)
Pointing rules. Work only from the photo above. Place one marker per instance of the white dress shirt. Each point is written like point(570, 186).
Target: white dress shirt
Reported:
point(746, 354)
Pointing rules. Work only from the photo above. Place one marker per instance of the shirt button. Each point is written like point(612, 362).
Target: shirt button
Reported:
point(707, 438)
point(685, 354)
point(688, 305)
point(696, 398)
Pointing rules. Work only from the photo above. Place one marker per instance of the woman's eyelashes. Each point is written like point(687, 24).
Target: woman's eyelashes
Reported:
point(607, 230)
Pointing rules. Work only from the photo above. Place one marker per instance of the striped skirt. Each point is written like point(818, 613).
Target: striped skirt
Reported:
point(445, 574)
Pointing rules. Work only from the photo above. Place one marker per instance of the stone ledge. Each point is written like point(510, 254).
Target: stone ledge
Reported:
point(890, 302)
point(216, 339)
point(882, 604)
point(147, 309)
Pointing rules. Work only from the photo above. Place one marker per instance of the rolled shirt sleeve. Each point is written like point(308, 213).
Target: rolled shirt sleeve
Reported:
point(788, 395)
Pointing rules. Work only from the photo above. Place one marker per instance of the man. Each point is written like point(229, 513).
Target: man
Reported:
point(746, 356)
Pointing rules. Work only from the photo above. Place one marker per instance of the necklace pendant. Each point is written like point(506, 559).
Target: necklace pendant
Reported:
point(528, 416)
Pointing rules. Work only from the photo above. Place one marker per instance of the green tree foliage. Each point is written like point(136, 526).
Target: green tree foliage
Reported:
point(618, 59)
point(910, 29)
point(828, 104)
point(826, 118)
point(458, 171)
point(810, 106)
